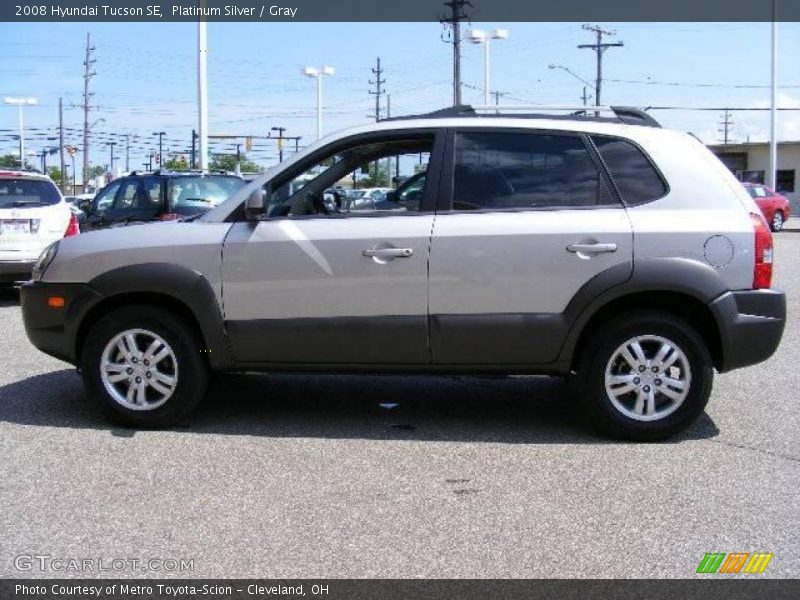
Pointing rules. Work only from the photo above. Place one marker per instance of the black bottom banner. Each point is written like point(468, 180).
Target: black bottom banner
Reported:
point(391, 589)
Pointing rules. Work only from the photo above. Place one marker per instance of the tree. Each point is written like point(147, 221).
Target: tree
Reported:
point(377, 175)
point(95, 171)
point(11, 161)
point(176, 163)
point(55, 174)
point(227, 162)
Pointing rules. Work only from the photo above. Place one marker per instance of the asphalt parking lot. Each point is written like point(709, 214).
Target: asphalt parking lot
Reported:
point(309, 476)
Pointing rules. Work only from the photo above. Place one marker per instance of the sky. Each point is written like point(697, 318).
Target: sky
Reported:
point(146, 77)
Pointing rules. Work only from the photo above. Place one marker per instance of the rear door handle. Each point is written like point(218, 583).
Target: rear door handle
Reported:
point(591, 248)
point(388, 252)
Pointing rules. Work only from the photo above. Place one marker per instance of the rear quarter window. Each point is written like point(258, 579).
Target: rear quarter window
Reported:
point(632, 171)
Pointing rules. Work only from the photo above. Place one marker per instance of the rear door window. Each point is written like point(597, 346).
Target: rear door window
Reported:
point(525, 170)
point(632, 172)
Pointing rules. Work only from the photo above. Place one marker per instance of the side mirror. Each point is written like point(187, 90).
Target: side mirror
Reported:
point(391, 196)
point(85, 206)
point(254, 205)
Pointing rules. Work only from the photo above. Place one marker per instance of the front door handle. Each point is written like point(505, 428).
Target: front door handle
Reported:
point(591, 248)
point(385, 253)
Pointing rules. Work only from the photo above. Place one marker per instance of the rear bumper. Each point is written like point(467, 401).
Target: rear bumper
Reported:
point(54, 331)
point(750, 324)
point(15, 270)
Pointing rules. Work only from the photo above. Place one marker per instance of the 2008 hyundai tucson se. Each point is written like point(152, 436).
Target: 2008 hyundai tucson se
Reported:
point(601, 247)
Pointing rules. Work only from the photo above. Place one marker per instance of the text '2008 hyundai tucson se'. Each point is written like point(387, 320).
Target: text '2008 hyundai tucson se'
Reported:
point(601, 247)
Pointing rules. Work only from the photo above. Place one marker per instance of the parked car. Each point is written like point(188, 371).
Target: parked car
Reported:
point(776, 208)
point(367, 198)
point(159, 196)
point(574, 246)
point(32, 216)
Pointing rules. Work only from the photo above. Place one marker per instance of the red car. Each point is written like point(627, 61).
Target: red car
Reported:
point(774, 206)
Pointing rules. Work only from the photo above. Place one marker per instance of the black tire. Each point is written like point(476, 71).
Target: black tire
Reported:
point(594, 401)
point(190, 365)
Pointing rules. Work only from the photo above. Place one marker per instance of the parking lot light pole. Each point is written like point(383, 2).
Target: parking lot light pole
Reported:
point(20, 102)
point(318, 73)
point(478, 36)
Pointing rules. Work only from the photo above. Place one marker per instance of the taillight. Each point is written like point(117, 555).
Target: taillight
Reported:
point(169, 216)
point(72, 228)
point(762, 272)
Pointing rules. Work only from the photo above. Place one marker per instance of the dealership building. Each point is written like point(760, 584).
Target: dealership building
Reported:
point(749, 162)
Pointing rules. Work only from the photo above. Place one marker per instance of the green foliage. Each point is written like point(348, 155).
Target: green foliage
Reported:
point(55, 174)
point(227, 162)
point(11, 161)
point(95, 171)
point(377, 175)
point(176, 163)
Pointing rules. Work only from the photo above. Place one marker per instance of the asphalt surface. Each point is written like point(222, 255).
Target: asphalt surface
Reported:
point(309, 476)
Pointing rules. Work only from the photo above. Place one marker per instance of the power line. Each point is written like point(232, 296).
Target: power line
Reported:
point(599, 47)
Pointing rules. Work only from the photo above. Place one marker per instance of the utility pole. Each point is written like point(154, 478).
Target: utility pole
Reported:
point(61, 145)
point(585, 97)
point(453, 21)
point(725, 125)
point(379, 91)
point(127, 152)
point(599, 47)
point(88, 73)
point(111, 162)
point(194, 150)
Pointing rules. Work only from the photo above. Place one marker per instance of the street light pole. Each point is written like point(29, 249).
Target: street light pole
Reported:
point(318, 73)
point(773, 112)
point(19, 103)
point(585, 97)
point(478, 36)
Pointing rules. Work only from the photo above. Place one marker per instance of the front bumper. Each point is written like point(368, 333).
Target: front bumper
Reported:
point(16, 270)
point(54, 331)
point(750, 324)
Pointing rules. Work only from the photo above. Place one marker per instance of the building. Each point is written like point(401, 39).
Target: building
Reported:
point(749, 162)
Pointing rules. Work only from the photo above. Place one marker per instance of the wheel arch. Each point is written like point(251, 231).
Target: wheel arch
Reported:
point(183, 291)
point(682, 287)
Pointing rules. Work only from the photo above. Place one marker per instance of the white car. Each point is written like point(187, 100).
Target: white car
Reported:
point(33, 215)
point(367, 198)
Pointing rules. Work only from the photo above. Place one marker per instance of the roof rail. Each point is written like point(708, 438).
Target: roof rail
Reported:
point(623, 114)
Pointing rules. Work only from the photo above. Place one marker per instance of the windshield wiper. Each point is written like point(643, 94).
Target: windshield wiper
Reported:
point(19, 203)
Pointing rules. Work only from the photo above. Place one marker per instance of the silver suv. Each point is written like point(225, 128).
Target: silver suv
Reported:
point(607, 249)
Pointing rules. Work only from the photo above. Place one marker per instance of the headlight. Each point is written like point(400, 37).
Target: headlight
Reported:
point(44, 260)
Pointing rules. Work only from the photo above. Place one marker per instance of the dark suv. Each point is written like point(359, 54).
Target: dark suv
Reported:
point(159, 196)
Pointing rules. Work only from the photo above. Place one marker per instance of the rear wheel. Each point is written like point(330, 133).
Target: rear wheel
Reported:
point(777, 221)
point(143, 366)
point(644, 375)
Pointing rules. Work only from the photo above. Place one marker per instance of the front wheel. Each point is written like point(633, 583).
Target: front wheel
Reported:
point(143, 366)
point(645, 376)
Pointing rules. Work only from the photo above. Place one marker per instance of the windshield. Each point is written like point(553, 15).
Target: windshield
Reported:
point(201, 192)
point(757, 191)
point(27, 192)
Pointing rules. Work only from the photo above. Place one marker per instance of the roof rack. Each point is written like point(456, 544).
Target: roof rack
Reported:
point(623, 114)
